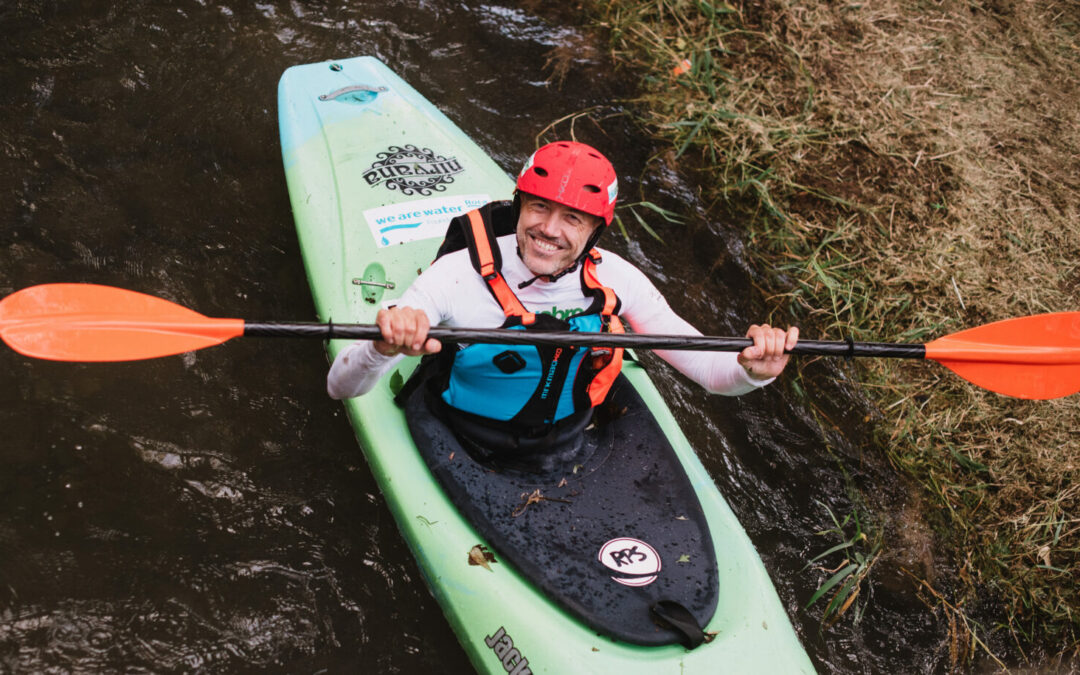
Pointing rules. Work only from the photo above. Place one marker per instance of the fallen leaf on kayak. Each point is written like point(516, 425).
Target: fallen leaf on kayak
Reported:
point(562, 483)
point(480, 555)
point(710, 635)
point(527, 501)
point(683, 558)
point(451, 456)
point(681, 518)
point(396, 383)
point(535, 497)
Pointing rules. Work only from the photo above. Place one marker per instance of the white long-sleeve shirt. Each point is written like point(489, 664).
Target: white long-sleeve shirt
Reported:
point(451, 293)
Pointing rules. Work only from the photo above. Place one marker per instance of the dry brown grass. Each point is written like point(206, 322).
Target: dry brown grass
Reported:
point(913, 169)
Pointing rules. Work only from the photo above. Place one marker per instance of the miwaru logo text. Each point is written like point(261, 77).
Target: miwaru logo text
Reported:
point(412, 170)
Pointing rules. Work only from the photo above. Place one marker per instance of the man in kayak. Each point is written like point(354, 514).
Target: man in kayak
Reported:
point(513, 265)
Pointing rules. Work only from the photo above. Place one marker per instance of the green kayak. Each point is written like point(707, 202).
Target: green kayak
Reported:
point(610, 559)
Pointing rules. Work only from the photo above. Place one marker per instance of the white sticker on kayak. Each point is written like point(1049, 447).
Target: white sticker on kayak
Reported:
point(420, 219)
point(636, 562)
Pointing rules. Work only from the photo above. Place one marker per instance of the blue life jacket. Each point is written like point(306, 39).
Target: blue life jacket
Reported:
point(527, 387)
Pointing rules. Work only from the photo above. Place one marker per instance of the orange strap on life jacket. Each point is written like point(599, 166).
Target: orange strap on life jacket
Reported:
point(602, 381)
point(511, 306)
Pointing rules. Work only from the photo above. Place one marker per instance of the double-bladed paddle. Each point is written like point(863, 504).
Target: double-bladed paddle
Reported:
point(1036, 357)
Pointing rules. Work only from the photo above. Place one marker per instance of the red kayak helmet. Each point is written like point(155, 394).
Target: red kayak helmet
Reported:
point(572, 174)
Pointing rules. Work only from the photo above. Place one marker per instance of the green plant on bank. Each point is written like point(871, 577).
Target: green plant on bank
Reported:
point(903, 173)
point(669, 216)
point(860, 553)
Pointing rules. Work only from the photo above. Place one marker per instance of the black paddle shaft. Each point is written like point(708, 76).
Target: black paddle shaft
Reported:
point(330, 331)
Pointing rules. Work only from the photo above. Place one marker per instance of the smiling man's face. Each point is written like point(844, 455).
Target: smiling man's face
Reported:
point(551, 236)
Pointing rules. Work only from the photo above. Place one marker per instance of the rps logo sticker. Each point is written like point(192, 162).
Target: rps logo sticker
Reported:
point(412, 170)
point(637, 563)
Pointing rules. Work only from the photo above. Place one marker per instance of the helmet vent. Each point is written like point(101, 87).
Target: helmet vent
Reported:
point(540, 171)
point(590, 188)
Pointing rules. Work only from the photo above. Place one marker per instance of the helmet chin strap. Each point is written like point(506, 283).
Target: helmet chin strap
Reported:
point(593, 238)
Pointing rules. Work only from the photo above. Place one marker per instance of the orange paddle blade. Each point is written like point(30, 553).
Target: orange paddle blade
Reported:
point(86, 322)
point(1035, 357)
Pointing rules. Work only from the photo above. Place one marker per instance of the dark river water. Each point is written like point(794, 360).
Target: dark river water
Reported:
point(212, 512)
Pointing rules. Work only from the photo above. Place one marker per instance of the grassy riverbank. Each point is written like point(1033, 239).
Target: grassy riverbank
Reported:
point(905, 169)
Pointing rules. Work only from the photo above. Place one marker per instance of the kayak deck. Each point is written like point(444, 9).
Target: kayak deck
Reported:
point(607, 528)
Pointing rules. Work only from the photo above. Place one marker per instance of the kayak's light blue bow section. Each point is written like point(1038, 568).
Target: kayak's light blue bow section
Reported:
point(371, 164)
